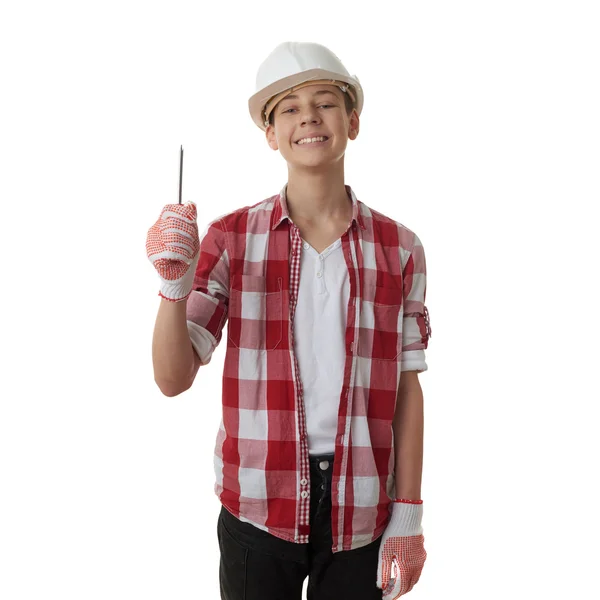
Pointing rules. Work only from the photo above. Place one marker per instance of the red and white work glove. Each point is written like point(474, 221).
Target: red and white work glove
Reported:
point(173, 247)
point(401, 546)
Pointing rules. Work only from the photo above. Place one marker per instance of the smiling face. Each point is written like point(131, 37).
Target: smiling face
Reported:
point(312, 111)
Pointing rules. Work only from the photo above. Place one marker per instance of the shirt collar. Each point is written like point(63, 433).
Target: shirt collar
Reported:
point(280, 210)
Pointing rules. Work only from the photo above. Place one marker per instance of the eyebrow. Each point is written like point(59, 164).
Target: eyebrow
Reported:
point(319, 93)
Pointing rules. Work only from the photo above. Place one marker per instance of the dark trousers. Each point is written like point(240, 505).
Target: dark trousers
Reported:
point(256, 565)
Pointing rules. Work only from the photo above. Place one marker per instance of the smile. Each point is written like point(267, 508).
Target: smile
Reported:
point(312, 143)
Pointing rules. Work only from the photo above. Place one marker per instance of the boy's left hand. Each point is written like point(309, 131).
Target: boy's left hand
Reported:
point(402, 545)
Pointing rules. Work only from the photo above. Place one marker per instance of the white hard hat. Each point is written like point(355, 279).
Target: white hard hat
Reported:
point(293, 65)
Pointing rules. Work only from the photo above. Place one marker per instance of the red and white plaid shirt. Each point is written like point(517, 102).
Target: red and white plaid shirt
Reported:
point(248, 274)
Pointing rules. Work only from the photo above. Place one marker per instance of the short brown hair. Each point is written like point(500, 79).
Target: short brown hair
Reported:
point(347, 102)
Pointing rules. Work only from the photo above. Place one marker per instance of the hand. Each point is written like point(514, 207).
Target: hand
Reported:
point(402, 546)
point(173, 247)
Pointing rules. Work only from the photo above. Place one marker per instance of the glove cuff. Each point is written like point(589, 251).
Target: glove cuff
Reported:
point(172, 293)
point(406, 519)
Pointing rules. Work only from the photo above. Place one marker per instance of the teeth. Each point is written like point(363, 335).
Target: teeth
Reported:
point(310, 140)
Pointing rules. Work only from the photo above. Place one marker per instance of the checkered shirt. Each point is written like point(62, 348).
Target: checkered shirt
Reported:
point(248, 276)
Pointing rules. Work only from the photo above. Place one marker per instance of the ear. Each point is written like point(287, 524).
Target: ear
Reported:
point(271, 139)
point(354, 126)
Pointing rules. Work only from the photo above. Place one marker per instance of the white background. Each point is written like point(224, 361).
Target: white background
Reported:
point(480, 132)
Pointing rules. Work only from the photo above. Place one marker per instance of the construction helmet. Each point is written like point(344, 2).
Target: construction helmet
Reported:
point(293, 65)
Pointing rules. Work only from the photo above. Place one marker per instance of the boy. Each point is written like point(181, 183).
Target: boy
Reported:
point(319, 452)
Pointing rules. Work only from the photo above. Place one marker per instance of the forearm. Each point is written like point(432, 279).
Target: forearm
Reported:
point(408, 428)
point(173, 356)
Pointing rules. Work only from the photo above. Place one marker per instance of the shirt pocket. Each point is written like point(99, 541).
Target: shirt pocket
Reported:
point(380, 330)
point(255, 312)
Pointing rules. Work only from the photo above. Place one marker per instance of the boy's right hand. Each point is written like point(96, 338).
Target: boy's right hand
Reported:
point(173, 247)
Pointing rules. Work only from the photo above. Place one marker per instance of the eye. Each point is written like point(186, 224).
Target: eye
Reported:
point(322, 105)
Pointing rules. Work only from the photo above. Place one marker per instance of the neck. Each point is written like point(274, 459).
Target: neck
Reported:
point(318, 197)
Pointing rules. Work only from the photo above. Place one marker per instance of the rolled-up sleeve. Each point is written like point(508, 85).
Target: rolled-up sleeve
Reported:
point(208, 304)
point(416, 329)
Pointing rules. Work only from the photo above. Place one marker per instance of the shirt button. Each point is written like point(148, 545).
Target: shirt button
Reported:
point(324, 465)
point(319, 274)
point(306, 246)
point(303, 481)
point(304, 494)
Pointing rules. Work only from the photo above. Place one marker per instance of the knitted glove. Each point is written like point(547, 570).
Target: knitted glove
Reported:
point(173, 248)
point(401, 546)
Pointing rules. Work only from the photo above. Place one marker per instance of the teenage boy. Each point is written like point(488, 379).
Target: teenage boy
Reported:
point(318, 457)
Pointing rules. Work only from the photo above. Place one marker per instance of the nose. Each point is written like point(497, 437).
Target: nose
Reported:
point(310, 114)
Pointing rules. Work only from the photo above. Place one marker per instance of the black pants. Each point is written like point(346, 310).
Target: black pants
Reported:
point(256, 565)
